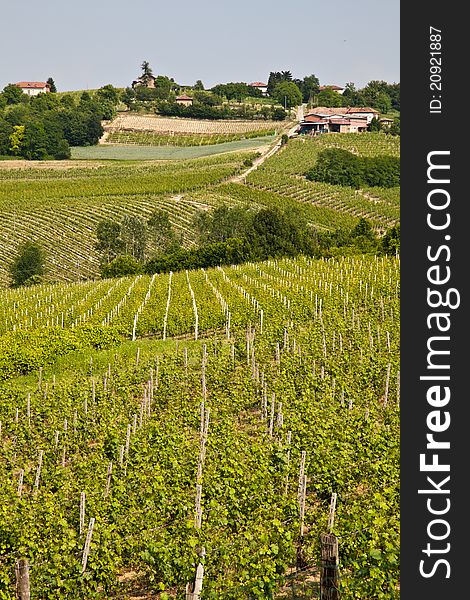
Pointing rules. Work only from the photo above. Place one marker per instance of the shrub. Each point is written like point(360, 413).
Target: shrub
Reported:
point(340, 167)
point(28, 264)
point(121, 266)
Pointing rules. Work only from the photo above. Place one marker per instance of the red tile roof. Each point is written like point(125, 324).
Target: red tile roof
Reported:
point(314, 119)
point(331, 87)
point(325, 110)
point(183, 97)
point(258, 84)
point(32, 84)
point(362, 109)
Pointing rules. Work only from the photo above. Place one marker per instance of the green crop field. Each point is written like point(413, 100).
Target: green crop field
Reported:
point(166, 152)
point(253, 400)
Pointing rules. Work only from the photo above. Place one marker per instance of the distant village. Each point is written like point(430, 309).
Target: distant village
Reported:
point(317, 120)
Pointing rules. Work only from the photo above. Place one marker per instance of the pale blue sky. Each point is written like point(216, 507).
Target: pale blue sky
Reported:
point(89, 43)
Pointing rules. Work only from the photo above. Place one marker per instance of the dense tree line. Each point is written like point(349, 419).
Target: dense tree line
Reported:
point(340, 167)
point(45, 126)
point(201, 110)
point(282, 88)
point(227, 235)
point(380, 95)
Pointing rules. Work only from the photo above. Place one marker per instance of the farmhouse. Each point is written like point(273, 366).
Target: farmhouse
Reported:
point(316, 124)
point(367, 112)
point(145, 81)
point(261, 86)
point(184, 100)
point(335, 88)
point(33, 88)
point(343, 119)
point(324, 119)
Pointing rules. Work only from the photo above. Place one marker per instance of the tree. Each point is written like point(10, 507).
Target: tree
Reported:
point(350, 95)
point(67, 101)
point(328, 97)
point(16, 139)
point(364, 229)
point(162, 87)
point(278, 114)
point(287, 94)
point(108, 92)
point(338, 167)
point(390, 242)
point(223, 223)
point(198, 85)
point(52, 87)
point(363, 237)
point(147, 73)
point(121, 266)
point(375, 125)
point(34, 143)
point(274, 79)
point(234, 91)
point(13, 94)
point(383, 103)
point(6, 129)
point(28, 266)
point(310, 87)
point(277, 233)
point(109, 242)
point(63, 150)
point(134, 236)
point(395, 127)
point(160, 232)
point(128, 97)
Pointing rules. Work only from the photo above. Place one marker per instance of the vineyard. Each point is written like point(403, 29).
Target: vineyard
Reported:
point(61, 208)
point(224, 418)
point(173, 126)
point(284, 173)
point(146, 138)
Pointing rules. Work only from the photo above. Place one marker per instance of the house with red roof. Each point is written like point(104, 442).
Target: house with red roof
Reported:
point(335, 88)
point(33, 88)
point(261, 86)
point(363, 111)
point(332, 120)
point(184, 100)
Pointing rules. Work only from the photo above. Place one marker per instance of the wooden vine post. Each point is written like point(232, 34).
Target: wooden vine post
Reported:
point(194, 588)
point(22, 579)
point(329, 578)
point(86, 549)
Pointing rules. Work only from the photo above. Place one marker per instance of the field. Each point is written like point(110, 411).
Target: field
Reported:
point(166, 152)
point(62, 206)
point(175, 126)
point(219, 409)
point(146, 138)
point(284, 174)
